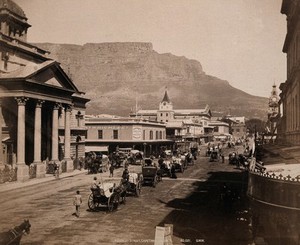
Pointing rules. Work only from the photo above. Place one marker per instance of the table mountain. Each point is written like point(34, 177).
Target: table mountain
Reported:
point(115, 75)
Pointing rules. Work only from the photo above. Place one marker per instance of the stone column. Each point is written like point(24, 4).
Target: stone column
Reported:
point(1, 147)
point(55, 132)
point(40, 168)
point(23, 170)
point(67, 158)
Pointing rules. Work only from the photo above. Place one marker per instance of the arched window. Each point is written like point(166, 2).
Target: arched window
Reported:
point(78, 138)
point(79, 118)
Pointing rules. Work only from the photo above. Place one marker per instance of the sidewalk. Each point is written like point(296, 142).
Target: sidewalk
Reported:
point(50, 177)
point(278, 153)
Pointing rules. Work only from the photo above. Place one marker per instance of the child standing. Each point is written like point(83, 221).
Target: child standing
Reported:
point(77, 202)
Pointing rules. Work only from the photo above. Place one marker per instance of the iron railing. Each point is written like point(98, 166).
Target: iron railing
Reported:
point(8, 174)
point(277, 176)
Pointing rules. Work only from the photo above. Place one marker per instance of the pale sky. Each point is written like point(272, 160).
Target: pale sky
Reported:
point(236, 40)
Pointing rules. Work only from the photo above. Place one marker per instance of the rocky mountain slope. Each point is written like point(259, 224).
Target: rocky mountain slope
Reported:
point(115, 75)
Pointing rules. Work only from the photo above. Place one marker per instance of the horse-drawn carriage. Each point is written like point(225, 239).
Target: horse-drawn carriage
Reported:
point(164, 168)
point(150, 173)
point(119, 158)
point(135, 157)
point(96, 163)
point(180, 163)
point(189, 158)
point(133, 185)
point(214, 156)
point(108, 195)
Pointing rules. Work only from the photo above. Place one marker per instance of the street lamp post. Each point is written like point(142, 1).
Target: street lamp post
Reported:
point(145, 144)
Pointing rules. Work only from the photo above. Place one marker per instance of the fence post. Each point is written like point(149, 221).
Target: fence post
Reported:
point(168, 234)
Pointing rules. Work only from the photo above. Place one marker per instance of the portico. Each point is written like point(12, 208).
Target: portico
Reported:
point(38, 118)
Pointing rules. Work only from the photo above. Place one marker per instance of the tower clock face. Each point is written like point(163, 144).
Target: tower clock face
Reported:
point(274, 99)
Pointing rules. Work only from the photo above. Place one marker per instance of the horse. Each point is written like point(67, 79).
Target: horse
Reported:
point(90, 164)
point(13, 236)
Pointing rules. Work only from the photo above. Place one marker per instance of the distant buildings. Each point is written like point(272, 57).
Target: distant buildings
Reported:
point(237, 126)
point(290, 95)
point(41, 110)
point(181, 124)
point(220, 130)
point(108, 134)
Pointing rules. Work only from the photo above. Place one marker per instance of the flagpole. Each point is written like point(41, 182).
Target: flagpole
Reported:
point(136, 106)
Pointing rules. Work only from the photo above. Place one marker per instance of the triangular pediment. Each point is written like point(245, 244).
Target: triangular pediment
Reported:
point(49, 77)
point(51, 74)
point(54, 82)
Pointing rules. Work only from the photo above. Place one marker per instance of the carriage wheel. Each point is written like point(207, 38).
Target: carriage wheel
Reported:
point(113, 202)
point(138, 189)
point(91, 203)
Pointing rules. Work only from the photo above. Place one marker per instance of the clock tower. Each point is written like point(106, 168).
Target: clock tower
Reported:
point(273, 114)
point(165, 112)
point(273, 110)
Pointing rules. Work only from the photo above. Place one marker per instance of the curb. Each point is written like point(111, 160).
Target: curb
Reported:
point(48, 177)
point(8, 186)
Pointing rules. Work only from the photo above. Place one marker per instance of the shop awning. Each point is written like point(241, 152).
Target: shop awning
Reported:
point(96, 148)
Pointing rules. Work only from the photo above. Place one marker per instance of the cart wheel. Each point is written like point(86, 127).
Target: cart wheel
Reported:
point(113, 202)
point(138, 189)
point(91, 202)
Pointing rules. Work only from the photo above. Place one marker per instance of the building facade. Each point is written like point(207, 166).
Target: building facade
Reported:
point(41, 110)
point(220, 130)
point(181, 124)
point(237, 126)
point(111, 133)
point(290, 89)
point(274, 192)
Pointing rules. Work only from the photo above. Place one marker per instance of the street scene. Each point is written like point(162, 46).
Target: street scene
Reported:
point(150, 122)
point(191, 203)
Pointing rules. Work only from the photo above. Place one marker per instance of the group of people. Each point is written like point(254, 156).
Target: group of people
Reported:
point(215, 152)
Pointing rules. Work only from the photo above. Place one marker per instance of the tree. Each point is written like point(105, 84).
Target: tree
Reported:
point(255, 125)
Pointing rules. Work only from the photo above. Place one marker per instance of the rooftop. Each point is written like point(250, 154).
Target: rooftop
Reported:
point(12, 7)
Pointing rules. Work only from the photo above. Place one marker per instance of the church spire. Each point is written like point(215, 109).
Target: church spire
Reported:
point(166, 97)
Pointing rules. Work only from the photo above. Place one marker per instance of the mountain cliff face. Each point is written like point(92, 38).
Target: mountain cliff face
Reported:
point(115, 75)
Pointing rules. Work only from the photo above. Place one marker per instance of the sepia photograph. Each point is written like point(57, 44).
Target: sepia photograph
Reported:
point(161, 122)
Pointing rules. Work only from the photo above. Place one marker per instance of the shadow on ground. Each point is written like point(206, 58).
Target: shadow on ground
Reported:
point(215, 213)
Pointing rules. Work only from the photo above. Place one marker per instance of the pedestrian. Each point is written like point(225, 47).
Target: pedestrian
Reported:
point(111, 170)
point(77, 202)
point(173, 173)
point(56, 170)
point(223, 158)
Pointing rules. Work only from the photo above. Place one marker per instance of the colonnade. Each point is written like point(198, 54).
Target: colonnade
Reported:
point(23, 173)
point(1, 147)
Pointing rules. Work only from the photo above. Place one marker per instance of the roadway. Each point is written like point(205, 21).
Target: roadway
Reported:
point(191, 203)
